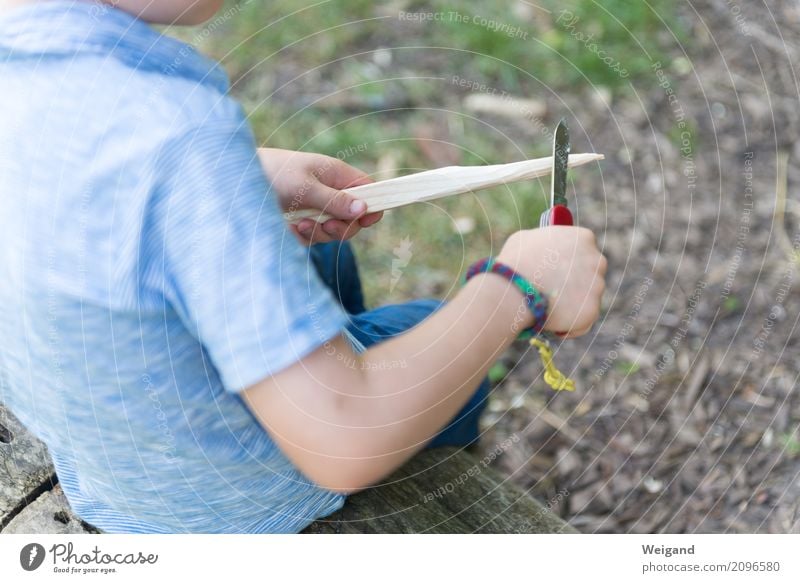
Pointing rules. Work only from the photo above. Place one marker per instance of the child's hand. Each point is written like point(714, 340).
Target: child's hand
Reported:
point(565, 264)
point(347, 422)
point(302, 181)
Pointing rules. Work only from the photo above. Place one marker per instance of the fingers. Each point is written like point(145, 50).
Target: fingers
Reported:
point(311, 232)
point(349, 214)
point(336, 203)
point(327, 194)
point(370, 219)
point(591, 309)
point(303, 240)
point(602, 268)
point(341, 175)
point(578, 333)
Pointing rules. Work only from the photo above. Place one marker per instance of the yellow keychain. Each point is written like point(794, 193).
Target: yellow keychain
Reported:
point(552, 376)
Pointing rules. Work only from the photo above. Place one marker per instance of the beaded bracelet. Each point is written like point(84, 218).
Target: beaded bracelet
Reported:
point(536, 302)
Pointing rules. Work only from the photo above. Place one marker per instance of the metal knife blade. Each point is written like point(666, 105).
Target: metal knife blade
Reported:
point(558, 180)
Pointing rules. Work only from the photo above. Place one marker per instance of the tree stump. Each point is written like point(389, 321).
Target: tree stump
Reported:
point(25, 468)
point(443, 490)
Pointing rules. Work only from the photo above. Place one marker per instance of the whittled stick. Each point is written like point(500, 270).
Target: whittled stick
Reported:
point(441, 182)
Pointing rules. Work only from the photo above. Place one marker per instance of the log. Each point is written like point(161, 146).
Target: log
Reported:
point(48, 514)
point(25, 467)
point(441, 182)
point(442, 490)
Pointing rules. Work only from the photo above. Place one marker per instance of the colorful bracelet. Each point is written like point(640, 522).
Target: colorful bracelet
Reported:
point(536, 302)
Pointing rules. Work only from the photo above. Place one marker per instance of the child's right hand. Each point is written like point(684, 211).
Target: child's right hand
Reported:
point(565, 264)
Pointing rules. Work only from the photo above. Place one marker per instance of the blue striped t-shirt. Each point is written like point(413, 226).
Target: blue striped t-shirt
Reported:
point(146, 276)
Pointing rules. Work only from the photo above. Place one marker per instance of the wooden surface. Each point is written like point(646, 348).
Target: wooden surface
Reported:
point(49, 513)
point(439, 491)
point(441, 182)
point(443, 490)
point(25, 468)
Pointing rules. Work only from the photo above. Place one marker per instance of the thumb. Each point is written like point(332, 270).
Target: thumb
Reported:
point(336, 203)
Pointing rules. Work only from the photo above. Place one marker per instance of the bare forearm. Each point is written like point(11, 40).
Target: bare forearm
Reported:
point(347, 420)
point(445, 358)
point(364, 415)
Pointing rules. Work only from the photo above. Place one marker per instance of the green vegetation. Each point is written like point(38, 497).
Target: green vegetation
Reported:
point(609, 43)
point(731, 304)
point(790, 444)
point(497, 372)
point(627, 368)
point(387, 79)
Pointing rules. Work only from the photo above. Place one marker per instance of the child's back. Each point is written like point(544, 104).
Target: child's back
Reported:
point(114, 185)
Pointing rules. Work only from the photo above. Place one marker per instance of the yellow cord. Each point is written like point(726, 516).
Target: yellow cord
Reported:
point(552, 376)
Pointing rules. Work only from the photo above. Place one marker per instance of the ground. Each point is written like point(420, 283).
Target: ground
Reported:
point(685, 417)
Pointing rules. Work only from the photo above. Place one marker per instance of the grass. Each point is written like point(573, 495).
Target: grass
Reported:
point(560, 38)
point(282, 56)
point(790, 444)
point(627, 368)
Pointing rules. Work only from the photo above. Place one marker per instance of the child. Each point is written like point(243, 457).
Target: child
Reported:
point(163, 331)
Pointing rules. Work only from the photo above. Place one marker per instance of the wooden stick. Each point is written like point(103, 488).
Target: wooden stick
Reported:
point(441, 182)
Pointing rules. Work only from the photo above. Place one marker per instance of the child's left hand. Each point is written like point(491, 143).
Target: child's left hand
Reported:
point(303, 180)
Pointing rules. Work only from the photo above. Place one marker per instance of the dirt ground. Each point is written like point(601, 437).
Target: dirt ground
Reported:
point(686, 414)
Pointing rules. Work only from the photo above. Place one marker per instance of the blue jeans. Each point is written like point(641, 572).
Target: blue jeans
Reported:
point(337, 267)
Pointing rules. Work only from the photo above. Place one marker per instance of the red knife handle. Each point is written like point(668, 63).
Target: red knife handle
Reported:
point(560, 215)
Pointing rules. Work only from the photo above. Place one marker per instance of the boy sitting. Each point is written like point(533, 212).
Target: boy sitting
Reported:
point(164, 331)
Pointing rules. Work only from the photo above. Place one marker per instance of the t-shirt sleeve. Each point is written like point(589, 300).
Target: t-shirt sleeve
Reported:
point(235, 274)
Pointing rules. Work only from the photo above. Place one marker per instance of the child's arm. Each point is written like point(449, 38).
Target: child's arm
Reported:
point(346, 421)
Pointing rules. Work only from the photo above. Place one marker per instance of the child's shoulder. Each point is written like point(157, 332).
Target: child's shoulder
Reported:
point(172, 104)
point(178, 90)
